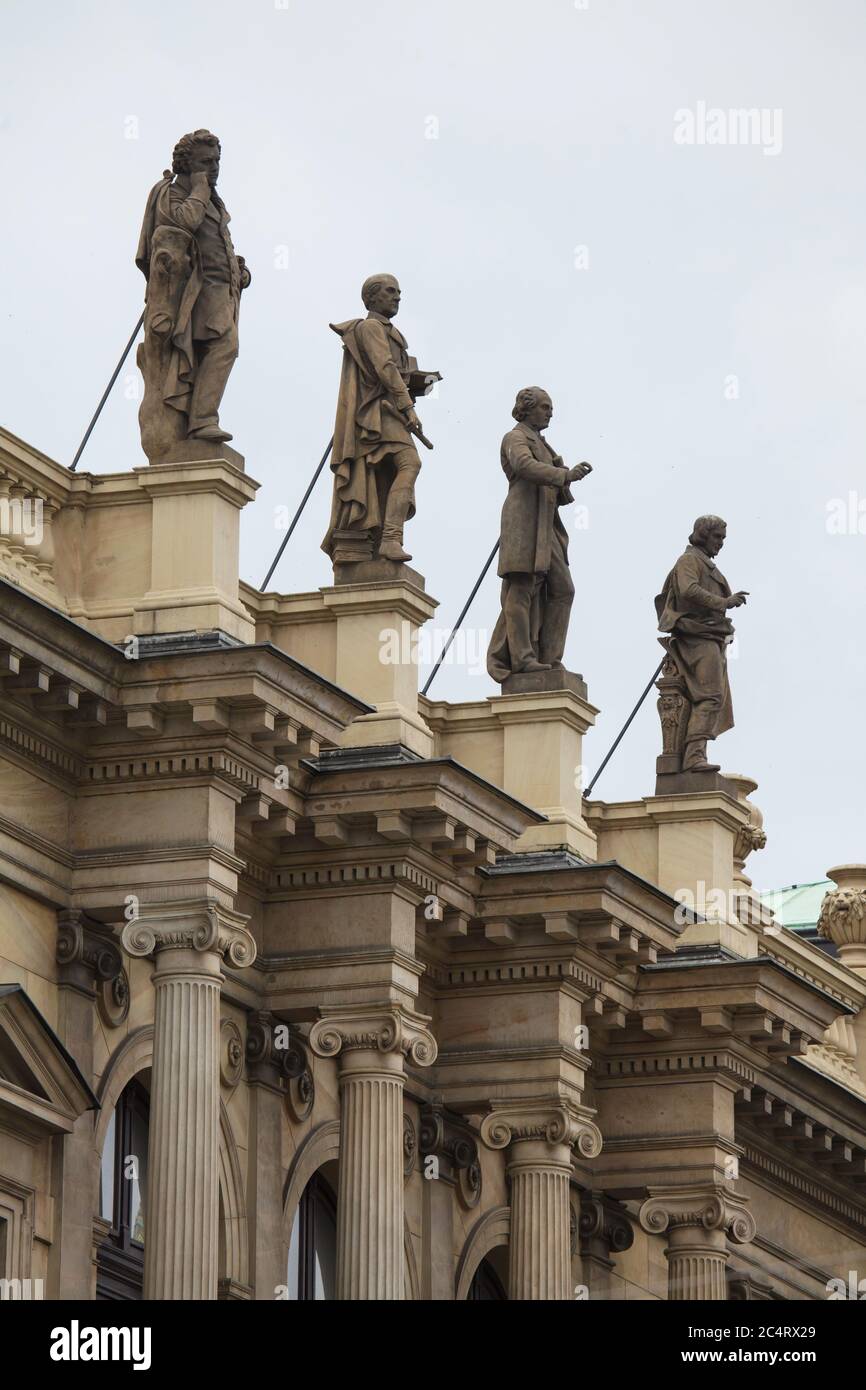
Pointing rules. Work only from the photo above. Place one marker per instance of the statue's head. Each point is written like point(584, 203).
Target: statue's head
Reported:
point(381, 295)
point(709, 533)
point(198, 152)
point(534, 406)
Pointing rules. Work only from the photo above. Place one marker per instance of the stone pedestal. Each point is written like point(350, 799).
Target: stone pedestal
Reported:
point(377, 621)
point(194, 547)
point(687, 844)
point(688, 783)
point(181, 1220)
point(543, 682)
point(539, 1143)
point(371, 1044)
point(699, 1222)
point(530, 743)
point(156, 550)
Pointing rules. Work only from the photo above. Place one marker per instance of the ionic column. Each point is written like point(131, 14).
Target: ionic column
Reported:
point(539, 1143)
point(699, 1222)
point(371, 1044)
point(182, 1198)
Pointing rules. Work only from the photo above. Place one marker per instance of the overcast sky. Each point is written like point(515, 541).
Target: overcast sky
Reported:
point(697, 310)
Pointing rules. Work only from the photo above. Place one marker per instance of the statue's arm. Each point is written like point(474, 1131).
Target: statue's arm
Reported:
point(373, 340)
point(188, 210)
point(691, 591)
point(526, 468)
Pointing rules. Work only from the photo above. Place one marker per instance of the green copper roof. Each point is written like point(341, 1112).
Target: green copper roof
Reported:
point(799, 906)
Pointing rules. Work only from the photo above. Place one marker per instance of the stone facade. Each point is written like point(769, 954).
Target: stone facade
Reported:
point(304, 977)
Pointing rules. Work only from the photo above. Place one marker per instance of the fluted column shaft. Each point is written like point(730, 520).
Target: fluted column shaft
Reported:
point(540, 1255)
point(181, 1247)
point(370, 1203)
point(696, 1264)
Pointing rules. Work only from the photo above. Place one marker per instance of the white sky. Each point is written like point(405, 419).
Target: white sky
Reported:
point(555, 131)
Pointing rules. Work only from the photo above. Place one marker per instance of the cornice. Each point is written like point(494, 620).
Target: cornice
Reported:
point(495, 975)
point(23, 836)
point(786, 1179)
point(300, 961)
point(346, 873)
point(27, 747)
point(672, 1065)
point(814, 966)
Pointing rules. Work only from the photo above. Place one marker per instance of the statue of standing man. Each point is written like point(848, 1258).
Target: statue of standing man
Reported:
point(537, 589)
point(194, 283)
point(375, 462)
point(694, 692)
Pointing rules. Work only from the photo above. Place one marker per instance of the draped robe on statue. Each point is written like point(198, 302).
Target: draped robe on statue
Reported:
point(369, 428)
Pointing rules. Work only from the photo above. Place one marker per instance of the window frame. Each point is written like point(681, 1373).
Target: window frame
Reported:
point(120, 1261)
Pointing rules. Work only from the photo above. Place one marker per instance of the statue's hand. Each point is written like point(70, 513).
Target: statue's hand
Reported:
point(579, 471)
point(412, 421)
point(246, 277)
point(738, 599)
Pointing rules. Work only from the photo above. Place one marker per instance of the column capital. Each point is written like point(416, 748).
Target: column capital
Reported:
point(192, 926)
point(374, 1028)
point(277, 1058)
point(83, 952)
point(552, 1124)
point(605, 1221)
point(704, 1209)
point(448, 1137)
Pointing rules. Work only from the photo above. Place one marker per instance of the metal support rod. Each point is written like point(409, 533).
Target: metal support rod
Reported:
point(106, 393)
point(297, 516)
point(625, 728)
point(466, 607)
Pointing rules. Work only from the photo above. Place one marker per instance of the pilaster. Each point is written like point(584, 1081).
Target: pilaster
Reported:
point(604, 1230)
point(86, 959)
point(378, 622)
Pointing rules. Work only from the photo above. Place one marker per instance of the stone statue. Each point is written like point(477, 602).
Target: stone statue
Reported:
point(537, 590)
point(194, 283)
point(695, 696)
point(375, 462)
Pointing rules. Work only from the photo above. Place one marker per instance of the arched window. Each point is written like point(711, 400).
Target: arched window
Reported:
point(122, 1195)
point(313, 1244)
point(486, 1286)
